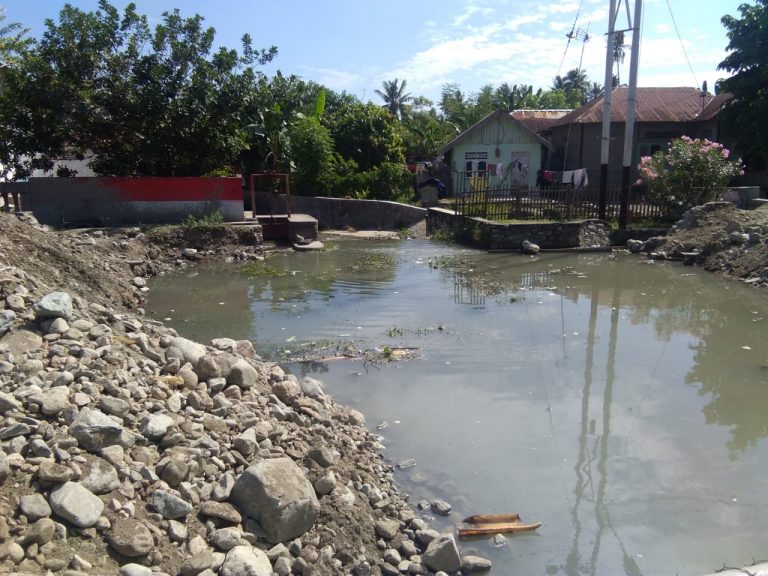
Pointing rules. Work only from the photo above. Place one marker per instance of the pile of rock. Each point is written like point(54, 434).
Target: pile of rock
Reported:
point(128, 449)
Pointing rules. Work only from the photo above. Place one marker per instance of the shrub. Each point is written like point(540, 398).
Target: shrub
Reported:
point(690, 173)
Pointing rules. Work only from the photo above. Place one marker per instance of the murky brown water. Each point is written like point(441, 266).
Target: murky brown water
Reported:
point(623, 404)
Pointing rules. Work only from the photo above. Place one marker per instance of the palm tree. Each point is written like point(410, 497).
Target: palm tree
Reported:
point(395, 97)
point(594, 90)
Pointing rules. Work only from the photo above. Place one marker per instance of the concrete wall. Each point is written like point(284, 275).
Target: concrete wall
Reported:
point(493, 236)
point(340, 213)
point(129, 201)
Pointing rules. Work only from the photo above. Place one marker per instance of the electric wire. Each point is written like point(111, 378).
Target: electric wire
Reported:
point(679, 39)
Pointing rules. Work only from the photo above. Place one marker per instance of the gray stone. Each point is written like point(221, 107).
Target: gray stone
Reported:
point(170, 505)
point(207, 368)
point(441, 508)
point(130, 538)
point(311, 387)
point(223, 487)
point(635, 246)
point(387, 529)
point(325, 484)
point(135, 570)
point(8, 402)
point(20, 341)
point(177, 531)
point(34, 506)
point(197, 563)
point(175, 472)
point(54, 305)
point(246, 561)
point(185, 350)
point(243, 375)
point(276, 493)
point(95, 430)
point(221, 510)
point(98, 475)
point(323, 456)
point(475, 565)
point(226, 538)
point(40, 532)
point(55, 400)
point(115, 406)
point(246, 443)
point(4, 468)
point(7, 320)
point(442, 554)
point(76, 504)
point(224, 344)
point(51, 472)
point(530, 248)
point(156, 426)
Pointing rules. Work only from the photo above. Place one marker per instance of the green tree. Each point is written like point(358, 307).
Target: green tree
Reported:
point(395, 97)
point(313, 156)
point(367, 135)
point(746, 114)
point(144, 101)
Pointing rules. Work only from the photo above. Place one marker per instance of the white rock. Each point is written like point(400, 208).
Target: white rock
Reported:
point(246, 561)
point(76, 504)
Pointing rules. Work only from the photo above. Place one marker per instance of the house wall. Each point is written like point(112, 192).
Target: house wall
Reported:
point(129, 201)
point(583, 146)
point(503, 134)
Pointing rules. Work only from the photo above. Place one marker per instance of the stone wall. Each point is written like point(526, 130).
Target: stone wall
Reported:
point(493, 236)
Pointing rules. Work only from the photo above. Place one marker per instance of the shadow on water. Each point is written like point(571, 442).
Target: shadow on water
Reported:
point(621, 403)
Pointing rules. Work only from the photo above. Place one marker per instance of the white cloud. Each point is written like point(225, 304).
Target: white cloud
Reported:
point(663, 28)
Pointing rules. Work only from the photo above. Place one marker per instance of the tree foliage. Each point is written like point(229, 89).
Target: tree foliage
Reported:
point(746, 114)
point(143, 101)
point(395, 97)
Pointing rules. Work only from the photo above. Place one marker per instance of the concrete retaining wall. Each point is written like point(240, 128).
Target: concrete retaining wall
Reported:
point(129, 201)
point(493, 236)
point(340, 213)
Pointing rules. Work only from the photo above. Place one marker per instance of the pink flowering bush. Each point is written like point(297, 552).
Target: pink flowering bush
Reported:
point(691, 173)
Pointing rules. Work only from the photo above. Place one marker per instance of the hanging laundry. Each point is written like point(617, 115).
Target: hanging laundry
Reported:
point(580, 179)
point(549, 176)
point(567, 176)
point(500, 169)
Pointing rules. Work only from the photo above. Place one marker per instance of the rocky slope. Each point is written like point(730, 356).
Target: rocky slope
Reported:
point(719, 237)
point(126, 448)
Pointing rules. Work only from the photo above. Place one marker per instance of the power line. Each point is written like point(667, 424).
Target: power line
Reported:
point(677, 31)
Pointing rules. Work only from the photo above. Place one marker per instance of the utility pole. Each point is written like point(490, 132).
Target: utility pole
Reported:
point(606, 133)
point(631, 104)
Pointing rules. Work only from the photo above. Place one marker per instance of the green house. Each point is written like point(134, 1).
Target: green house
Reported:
point(499, 151)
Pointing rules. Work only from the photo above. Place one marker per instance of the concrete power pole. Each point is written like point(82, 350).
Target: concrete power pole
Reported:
point(629, 130)
point(606, 133)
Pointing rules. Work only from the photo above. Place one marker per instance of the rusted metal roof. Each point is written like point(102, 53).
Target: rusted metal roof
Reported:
point(538, 120)
point(681, 104)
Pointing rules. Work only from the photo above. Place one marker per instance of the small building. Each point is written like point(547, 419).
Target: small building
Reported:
point(661, 114)
point(500, 149)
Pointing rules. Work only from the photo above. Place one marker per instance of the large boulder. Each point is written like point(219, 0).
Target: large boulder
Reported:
point(277, 494)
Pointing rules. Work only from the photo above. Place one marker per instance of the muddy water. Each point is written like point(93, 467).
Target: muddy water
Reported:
point(624, 405)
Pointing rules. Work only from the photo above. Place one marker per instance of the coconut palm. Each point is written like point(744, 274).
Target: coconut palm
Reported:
point(395, 97)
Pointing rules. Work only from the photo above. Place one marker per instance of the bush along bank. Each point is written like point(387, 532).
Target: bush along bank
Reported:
point(128, 449)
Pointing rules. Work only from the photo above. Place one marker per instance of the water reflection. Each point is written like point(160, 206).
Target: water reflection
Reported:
point(621, 403)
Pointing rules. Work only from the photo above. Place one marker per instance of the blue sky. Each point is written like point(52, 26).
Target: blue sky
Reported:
point(354, 45)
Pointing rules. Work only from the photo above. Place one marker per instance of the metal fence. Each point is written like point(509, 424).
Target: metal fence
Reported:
point(487, 199)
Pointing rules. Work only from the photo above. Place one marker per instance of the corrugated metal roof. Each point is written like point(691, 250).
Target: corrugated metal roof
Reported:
point(490, 117)
point(681, 104)
point(538, 120)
